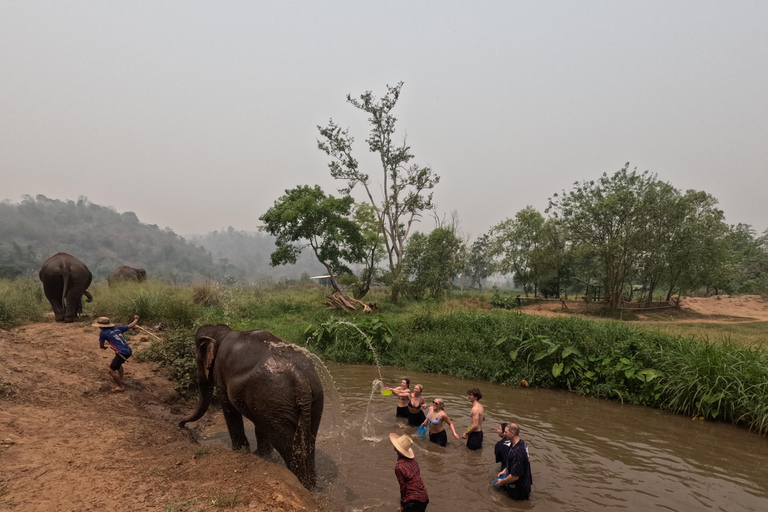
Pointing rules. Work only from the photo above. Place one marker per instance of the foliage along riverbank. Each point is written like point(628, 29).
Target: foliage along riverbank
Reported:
point(607, 359)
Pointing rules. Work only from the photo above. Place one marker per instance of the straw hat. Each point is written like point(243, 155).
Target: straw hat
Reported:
point(403, 444)
point(102, 322)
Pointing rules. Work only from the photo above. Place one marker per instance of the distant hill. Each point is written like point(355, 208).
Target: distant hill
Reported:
point(247, 256)
point(37, 228)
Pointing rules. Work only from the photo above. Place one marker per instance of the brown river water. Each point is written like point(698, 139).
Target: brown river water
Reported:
point(586, 454)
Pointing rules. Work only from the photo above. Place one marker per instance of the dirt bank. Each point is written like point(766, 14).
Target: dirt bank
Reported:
point(68, 444)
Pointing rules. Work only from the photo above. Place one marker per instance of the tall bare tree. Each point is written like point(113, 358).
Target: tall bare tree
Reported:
point(404, 190)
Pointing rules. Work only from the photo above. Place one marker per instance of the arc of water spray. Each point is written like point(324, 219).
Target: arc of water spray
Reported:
point(367, 428)
point(329, 385)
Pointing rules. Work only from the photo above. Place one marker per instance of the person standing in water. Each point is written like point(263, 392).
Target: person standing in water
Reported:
point(435, 418)
point(516, 477)
point(413, 493)
point(474, 434)
point(501, 450)
point(415, 406)
point(403, 394)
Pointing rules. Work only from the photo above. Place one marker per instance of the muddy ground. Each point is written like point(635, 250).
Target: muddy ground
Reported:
point(68, 444)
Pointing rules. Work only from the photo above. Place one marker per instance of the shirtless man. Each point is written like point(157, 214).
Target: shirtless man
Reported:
point(474, 434)
point(403, 394)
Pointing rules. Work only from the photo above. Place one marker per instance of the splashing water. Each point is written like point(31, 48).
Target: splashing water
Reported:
point(370, 345)
point(367, 429)
point(329, 385)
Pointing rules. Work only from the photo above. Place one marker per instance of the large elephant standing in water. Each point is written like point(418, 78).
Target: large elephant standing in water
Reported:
point(65, 280)
point(270, 382)
point(126, 273)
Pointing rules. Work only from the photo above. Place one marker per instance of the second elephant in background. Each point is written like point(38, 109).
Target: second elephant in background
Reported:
point(126, 274)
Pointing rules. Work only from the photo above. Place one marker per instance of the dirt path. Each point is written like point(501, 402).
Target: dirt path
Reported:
point(720, 308)
point(68, 444)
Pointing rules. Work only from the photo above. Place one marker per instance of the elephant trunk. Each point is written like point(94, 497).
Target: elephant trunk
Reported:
point(88, 296)
point(206, 392)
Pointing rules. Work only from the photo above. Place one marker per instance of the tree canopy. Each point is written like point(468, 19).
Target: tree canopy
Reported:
point(306, 217)
point(405, 187)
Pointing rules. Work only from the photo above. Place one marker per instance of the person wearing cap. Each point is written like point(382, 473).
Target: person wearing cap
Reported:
point(113, 334)
point(413, 494)
point(516, 477)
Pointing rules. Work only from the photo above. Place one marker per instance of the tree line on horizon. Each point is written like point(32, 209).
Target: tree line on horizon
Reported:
point(623, 237)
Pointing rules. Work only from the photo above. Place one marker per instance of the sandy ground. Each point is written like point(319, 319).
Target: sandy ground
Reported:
point(747, 307)
point(68, 444)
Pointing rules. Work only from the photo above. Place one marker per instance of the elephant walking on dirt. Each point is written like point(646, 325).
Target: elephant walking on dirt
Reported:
point(65, 280)
point(126, 273)
point(270, 382)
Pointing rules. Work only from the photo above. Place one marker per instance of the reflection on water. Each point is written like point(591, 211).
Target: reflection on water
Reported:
point(586, 454)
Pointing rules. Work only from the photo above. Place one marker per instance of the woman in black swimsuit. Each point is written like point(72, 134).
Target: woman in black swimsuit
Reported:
point(415, 405)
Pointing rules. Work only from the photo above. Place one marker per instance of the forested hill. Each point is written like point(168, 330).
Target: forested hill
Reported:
point(37, 228)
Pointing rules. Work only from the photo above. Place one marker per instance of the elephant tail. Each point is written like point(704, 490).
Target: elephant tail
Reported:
point(64, 288)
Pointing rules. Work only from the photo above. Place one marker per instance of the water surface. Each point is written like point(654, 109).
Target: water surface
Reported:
point(586, 454)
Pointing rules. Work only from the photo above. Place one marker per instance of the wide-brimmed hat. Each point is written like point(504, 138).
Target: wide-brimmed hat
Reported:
point(403, 444)
point(103, 322)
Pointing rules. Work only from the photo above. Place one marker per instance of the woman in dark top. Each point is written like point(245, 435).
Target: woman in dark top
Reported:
point(415, 405)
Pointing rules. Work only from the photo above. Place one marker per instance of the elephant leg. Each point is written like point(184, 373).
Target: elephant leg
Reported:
point(236, 428)
point(298, 454)
point(56, 305)
point(264, 447)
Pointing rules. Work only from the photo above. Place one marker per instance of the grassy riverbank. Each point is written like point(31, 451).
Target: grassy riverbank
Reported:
point(718, 379)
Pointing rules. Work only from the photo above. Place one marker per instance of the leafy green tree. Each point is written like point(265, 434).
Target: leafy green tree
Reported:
point(365, 216)
point(479, 260)
point(603, 217)
point(428, 263)
point(748, 260)
point(306, 217)
point(515, 247)
point(405, 187)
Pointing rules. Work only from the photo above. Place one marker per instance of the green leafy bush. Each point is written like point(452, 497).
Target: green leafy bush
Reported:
point(21, 301)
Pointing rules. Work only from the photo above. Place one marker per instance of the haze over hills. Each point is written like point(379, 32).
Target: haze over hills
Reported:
point(37, 228)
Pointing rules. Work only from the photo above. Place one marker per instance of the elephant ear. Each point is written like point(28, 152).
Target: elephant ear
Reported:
point(207, 354)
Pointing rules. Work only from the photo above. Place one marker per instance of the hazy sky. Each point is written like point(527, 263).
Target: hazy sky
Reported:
point(198, 115)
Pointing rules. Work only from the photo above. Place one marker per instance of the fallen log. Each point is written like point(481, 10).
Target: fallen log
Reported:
point(339, 301)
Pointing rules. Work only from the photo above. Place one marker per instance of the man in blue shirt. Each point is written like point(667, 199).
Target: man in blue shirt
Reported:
point(113, 334)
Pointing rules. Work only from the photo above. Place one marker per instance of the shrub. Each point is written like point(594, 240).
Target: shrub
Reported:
point(152, 301)
point(21, 301)
point(175, 353)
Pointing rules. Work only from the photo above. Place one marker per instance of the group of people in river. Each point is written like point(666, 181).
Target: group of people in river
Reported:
point(511, 451)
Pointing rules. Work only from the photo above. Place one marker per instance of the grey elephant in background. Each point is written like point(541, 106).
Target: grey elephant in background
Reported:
point(126, 274)
point(65, 280)
point(270, 382)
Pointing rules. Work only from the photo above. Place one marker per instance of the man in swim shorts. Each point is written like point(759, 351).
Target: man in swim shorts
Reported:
point(474, 434)
point(113, 334)
point(403, 394)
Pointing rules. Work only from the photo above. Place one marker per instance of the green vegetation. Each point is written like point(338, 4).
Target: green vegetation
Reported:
point(153, 301)
point(226, 499)
point(21, 301)
point(720, 378)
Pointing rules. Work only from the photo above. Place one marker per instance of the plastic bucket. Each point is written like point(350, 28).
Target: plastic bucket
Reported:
point(421, 431)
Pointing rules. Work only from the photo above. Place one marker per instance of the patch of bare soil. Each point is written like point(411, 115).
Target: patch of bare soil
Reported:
point(715, 309)
point(68, 444)
point(752, 307)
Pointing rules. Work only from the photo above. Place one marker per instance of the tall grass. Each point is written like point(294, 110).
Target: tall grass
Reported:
point(461, 337)
point(154, 302)
point(21, 301)
point(602, 358)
